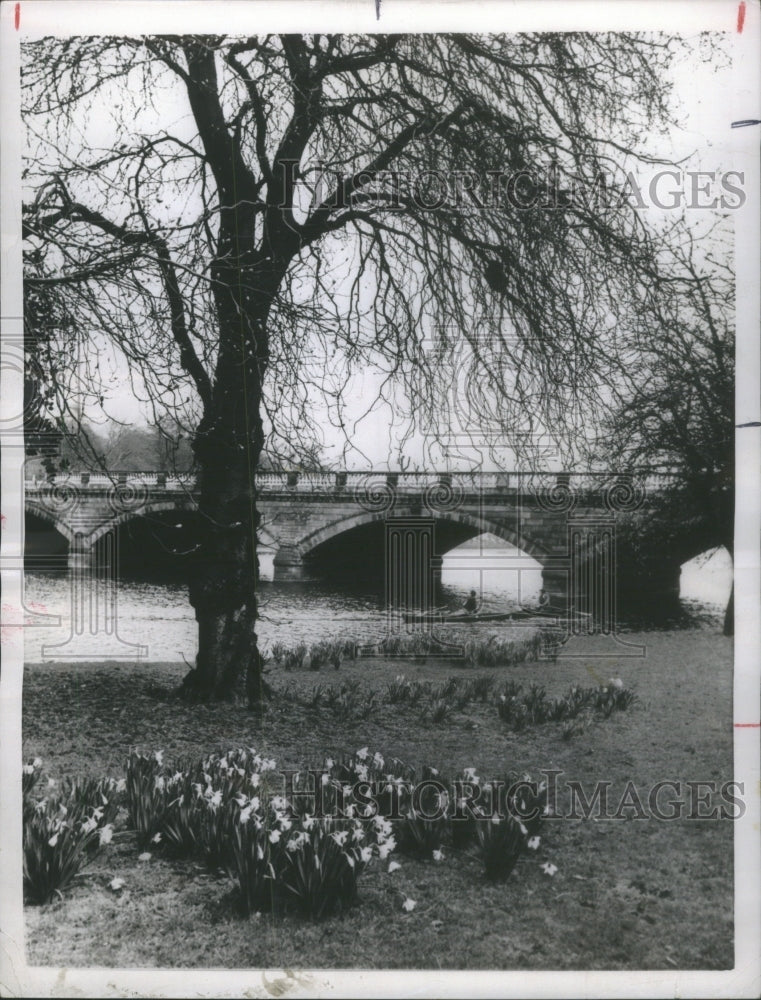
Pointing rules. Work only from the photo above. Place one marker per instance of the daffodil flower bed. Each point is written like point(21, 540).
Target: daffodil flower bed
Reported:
point(534, 707)
point(63, 831)
point(288, 841)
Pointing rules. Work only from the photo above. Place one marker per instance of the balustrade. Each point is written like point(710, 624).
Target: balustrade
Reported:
point(402, 482)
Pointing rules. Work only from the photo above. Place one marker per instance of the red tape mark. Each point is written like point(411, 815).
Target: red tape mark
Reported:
point(740, 16)
point(17, 16)
point(747, 725)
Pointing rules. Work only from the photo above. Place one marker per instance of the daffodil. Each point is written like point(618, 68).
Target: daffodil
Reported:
point(533, 843)
point(409, 904)
point(393, 866)
point(548, 868)
point(438, 855)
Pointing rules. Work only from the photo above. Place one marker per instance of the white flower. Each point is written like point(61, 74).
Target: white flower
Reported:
point(325, 778)
point(145, 856)
point(159, 783)
point(28, 769)
point(386, 848)
point(470, 774)
point(278, 802)
point(361, 754)
point(383, 825)
point(241, 800)
point(293, 844)
point(116, 884)
point(533, 843)
point(121, 785)
point(329, 763)
point(350, 859)
point(393, 866)
point(159, 757)
point(409, 904)
point(308, 821)
point(53, 840)
point(524, 831)
point(106, 834)
point(244, 815)
point(378, 760)
point(438, 855)
point(52, 782)
point(274, 836)
point(36, 762)
point(547, 811)
point(495, 819)
point(255, 779)
point(548, 868)
point(616, 682)
point(362, 771)
point(366, 853)
point(340, 837)
point(216, 799)
point(156, 838)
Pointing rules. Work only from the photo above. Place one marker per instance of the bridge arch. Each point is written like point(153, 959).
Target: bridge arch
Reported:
point(480, 525)
point(152, 507)
point(44, 514)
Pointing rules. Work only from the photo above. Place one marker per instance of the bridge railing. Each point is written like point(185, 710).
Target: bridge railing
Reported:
point(354, 483)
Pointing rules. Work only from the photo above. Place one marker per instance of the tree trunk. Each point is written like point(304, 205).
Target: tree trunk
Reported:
point(223, 592)
point(227, 446)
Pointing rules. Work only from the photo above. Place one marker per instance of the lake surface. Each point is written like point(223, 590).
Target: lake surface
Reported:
point(157, 615)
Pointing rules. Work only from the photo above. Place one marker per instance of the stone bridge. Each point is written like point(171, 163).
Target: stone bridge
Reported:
point(315, 523)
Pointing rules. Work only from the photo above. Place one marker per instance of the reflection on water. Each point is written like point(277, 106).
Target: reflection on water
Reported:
point(158, 615)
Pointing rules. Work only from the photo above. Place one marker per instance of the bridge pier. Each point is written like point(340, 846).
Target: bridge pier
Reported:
point(288, 566)
point(81, 554)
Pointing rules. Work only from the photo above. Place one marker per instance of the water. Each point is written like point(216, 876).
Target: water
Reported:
point(157, 614)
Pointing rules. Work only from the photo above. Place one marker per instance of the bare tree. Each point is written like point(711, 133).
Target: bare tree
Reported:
point(256, 219)
point(675, 400)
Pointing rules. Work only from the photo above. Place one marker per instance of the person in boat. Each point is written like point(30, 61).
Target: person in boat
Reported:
point(471, 605)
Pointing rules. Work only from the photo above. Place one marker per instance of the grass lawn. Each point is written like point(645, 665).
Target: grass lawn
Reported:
point(627, 894)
